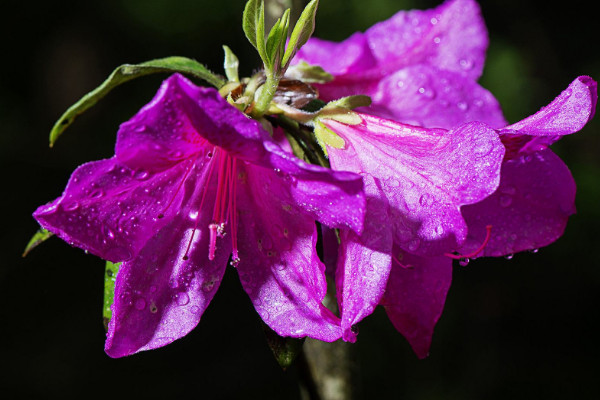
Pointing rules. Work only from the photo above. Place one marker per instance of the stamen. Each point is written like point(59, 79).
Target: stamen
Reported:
point(185, 175)
point(473, 254)
point(212, 241)
point(400, 264)
point(206, 184)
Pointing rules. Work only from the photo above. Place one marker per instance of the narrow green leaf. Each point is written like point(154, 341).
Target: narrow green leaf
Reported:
point(284, 349)
point(231, 65)
point(110, 276)
point(273, 45)
point(40, 236)
point(302, 32)
point(126, 73)
point(253, 23)
point(249, 19)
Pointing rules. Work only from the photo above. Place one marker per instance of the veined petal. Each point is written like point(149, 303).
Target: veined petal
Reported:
point(428, 96)
point(353, 55)
point(364, 262)
point(566, 114)
point(529, 210)
point(415, 296)
point(334, 198)
point(425, 174)
point(112, 210)
point(163, 291)
point(279, 267)
point(451, 37)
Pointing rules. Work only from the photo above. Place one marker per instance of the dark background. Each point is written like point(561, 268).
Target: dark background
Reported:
point(520, 329)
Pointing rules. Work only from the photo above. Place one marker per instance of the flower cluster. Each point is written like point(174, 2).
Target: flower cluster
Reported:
point(429, 173)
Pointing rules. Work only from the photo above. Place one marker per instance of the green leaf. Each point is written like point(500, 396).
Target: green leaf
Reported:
point(253, 23)
point(276, 42)
point(309, 73)
point(231, 65)
point(350, 102)
point(302, 32)
point(327, 137)
point(126, 73)
point(284, 349)
point(110, 276)
point(40, 236)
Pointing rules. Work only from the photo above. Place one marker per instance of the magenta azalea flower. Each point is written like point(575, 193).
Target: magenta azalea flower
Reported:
point(419, 67)
point(416, 180)
point(193, 181)
point(416, 204)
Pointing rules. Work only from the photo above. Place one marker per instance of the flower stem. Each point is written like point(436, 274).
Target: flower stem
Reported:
point(265, 94)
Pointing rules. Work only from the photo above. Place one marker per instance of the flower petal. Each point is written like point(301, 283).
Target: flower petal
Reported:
point(161, 294)
point(334, 198)
point(425, 174)
point(451, 37)
point(428, 96)
point(364, 262)
point(353, 55)
point(279, 267)
point(529, 210)
point(566, 114)
point(415, 296)
point(112, 210)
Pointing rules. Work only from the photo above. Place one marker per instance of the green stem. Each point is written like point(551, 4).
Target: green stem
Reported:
point(267, 92)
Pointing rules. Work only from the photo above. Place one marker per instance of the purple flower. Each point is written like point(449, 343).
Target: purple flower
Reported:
point(193, 181)
point(419, 67)
point(416, 180)
point(432, 191)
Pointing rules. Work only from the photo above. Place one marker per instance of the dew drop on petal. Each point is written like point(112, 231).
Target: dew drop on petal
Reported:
point(505, 201)
point(509, 256)
point(182, 299)
point(140, 304)
point(462, 106)
point(414, 244)
point(98, 193)
point(463, 262)
point(71, 207)
point(425, 200)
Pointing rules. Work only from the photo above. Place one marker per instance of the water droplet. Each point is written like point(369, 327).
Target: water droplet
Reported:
point(463, 262)
point(439, 229)
point(140, 128)
point(427, 92)
point(533, 251)
point(141, 175)
point(140, 304)
point(98, 193)
point(466, 64)
point(182, 299)
point(509, 256)
point(195, 309)
point(462, 106)
point(425, 200)
point(72, 206)
point(505, 201)
point(433, 21)
point(414, 244)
